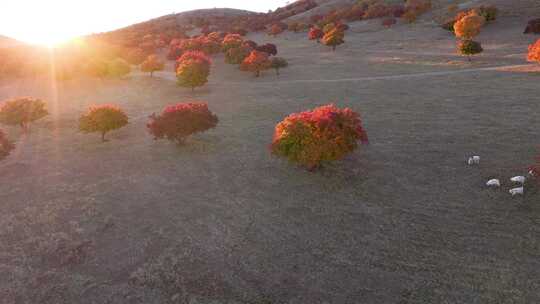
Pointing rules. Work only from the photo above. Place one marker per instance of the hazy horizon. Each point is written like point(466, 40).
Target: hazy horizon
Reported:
point(18, 19)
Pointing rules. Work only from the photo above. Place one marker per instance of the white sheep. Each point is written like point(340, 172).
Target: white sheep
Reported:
point(518, 179)
point(516, 191)
point(493, 183)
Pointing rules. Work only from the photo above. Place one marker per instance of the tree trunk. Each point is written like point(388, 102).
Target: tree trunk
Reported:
point(277, 71)
point(469, 57)
point(192, 89)
point(152, 74)
point(103, 137)
point(257, 73)
point(333, 48)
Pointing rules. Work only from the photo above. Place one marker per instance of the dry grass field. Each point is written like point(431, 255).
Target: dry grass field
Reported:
point(219, 220)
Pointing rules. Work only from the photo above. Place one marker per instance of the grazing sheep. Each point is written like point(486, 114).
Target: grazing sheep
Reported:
point(493, 183)
point(516, 191)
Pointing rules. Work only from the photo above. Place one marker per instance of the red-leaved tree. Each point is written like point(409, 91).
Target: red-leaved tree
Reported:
point(179, 121)
point(193, 69)
point(152, 64)
point(323, 134)
point(315, 33)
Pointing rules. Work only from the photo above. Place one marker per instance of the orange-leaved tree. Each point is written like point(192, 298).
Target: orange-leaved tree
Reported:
point(323, 134)
point(534, 52)
point(102, 119)
point(256, 62)
point(333, 38)
point(469, 26)
point(152, 64)
point(193, 69)
point(231, 41)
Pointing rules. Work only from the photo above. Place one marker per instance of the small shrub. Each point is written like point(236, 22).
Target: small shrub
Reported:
point(315, 33)
point(268, 48)
point(118, 68)
point(152, 64)
point(533, 54)
point(333, 38)
point(22, 111)
point(256, 62)
point(469, 48)
point(278, 63)
point(5, 145)
point(102, 119)
point(182, 120)
point(323, 134)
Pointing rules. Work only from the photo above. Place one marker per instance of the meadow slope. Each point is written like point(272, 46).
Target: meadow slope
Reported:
point(219, 220)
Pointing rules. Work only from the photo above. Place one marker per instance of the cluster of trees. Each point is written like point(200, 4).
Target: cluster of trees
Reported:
point(309, 138)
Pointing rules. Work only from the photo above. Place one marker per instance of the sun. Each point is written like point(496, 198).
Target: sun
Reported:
point(49, 39)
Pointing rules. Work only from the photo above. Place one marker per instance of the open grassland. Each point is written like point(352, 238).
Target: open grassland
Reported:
point(219, 220)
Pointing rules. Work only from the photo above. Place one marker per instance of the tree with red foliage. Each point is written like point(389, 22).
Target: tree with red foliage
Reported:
point(275, 30)
point(152, 64)
point(193, 70)
point(256, 62)
point(533, 54)
point(323, 134)
point(5, 145)
point(102, 119)
point(315, 33)
point(333, 38)
point(179, 121)
point(268, 48)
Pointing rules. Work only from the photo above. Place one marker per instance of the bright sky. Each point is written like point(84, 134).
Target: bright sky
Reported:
point(53, 21)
